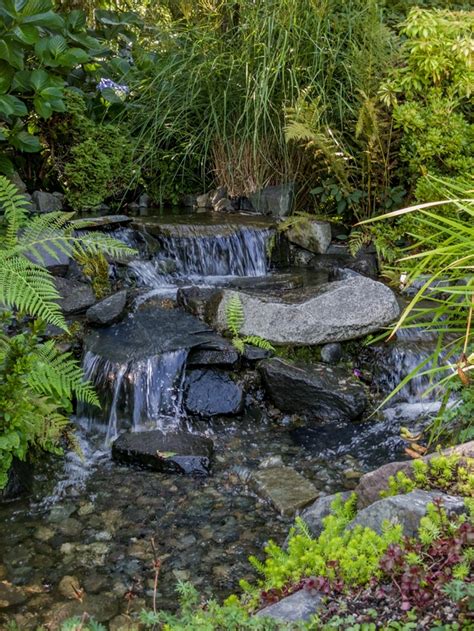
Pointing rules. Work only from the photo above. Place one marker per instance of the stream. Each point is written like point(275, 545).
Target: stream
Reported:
point(93, 519)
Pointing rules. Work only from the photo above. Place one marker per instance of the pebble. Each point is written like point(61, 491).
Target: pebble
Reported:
point(69, 587)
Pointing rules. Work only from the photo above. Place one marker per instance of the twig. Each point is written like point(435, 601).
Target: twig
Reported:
point(156, 568)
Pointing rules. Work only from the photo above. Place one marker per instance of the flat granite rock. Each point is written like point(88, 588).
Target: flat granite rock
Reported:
point(178, 452)
point(285, 488)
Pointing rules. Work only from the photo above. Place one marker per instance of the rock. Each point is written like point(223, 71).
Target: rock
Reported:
point(313, 515)
point(331, 353)
point(285, 488)
point(406, 510)
point(43, 533)
point(55, 259)
point(255, 354)
point(123, 623)
point(221, 355)
point(217, 195)
point(339, 258)
point(197, 300)
point(102, 223)
point(69, 587)
point(342, 310)
point(101, 607)
point(189, 200)
point(179, 452)
point(11, 596)
point(203, 201)
point(109, 310)
point(87, 554)
point(212, 393)
point(317, 389)
point(75, 297)
point(224, 206)
point(18, 182)
point(20, 478)
point(271, 461)
point(144, 200)
point(314, 236)
point(274, 200)
point(47, 202)
point(373, 483)
point(300, 606)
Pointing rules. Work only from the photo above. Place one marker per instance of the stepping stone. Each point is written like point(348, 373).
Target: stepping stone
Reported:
point(285, 488)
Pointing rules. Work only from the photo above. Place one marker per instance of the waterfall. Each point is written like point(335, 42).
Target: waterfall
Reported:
point(136, 395)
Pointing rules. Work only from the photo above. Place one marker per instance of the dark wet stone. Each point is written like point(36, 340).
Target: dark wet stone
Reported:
point(179, 452)
point(48, 254)
point(146, 333)
point(109, 310)
point(317, 389)
point(331, 353)
point(10, 596)
point(298, 607)
point(274, 200)
point(20, 477)
point(75, 297)
point(285, 488)
point(255, 354)
point(218, 354)
point(212, 393)
point(195, 300)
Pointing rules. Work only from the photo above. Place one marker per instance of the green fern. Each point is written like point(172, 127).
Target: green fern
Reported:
point(24, 283)
point(234, 315)
point(235, 320)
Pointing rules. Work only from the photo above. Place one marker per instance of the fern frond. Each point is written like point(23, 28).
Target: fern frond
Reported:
point(29, 288)
point(15, 209)
point(259, 342)
point(238, 344)
point(234, 315)
point(58, 374)
point(92, 243)
point(357, 240)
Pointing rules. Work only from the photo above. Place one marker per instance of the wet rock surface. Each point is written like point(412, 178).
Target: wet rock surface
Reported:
point(179, 452)
point(211, 393)
point(109, 310)
point(47, 202)
point(314, 236)
point(20, 478)
point(342, 310)
point(322, 391)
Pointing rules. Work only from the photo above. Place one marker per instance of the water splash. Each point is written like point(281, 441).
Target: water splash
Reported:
point(137, 395)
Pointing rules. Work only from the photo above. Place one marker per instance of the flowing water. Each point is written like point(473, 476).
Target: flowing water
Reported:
point(93, 519)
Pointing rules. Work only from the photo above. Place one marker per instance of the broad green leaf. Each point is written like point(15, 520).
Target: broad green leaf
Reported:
point(39, 79)
point(12, 106)
point(52, 93)
point(47, 20)
point(57, 45)
point(76, 20)
point(6, 165)
point(31, 7)
point(111, 96)
point(12, 52)
point(21, 81)
point(23, 141)
point(43, 107)
point(73, 57)
point(27, 34)
point(6, 75)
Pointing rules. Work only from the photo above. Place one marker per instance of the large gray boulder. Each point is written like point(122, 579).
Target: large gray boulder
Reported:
point(300, 606)
point(275, 200)
point(47, 202)
point(342, 310)
point(326, 392)
point(109, 310)
point(406, 510)
point(311, 235)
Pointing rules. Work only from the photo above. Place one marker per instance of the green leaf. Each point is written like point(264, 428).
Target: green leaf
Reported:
point(6, 165)
point(47, 20)
point(12, 52)
point(52, 92)
point(111, 96)
point(73, 57)
point(76, 20)
point(39, 79)
point(57, 45)
point(21, 81)
point(24, 141)
point(6, 75)
point(43, 107)
point(27, 34)
point(12, 106)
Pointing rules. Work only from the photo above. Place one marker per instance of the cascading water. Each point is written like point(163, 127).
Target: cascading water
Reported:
point(136, 395)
